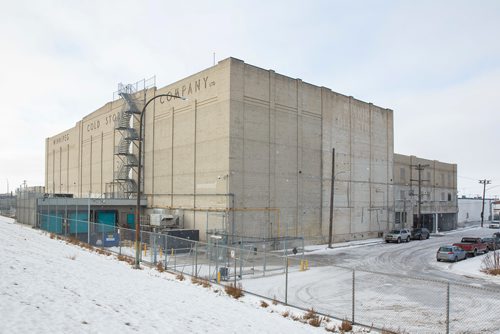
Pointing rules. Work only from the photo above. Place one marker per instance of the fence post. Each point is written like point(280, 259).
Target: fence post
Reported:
point(448, 308)
point(265, 261)
point(196, 259)
point(120, 234)
point(241, 258)
point(166, 250)
point(353, 293)
point(286, 281)
point(154, 248)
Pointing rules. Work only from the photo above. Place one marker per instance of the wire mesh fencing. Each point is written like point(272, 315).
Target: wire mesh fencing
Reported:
point(392, 302)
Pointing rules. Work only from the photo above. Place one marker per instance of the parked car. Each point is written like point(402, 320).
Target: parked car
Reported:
point(420, 233)
point(495, 224)
point(450, 253)
point(472, 246)
point(398, 236)
point(492, 243)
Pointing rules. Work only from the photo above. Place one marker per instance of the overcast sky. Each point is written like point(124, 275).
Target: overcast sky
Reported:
point(435, 63)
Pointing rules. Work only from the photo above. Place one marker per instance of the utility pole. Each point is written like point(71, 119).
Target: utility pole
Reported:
point(484, 183)
point(420, 168)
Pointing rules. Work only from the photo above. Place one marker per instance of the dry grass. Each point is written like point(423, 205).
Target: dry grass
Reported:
point(180, 277)
point(491, 263)
point(234, 291)
point(285, 314)
point(316, 322)
point(263, 304)
point(52, 236)
point(346, 326)
point(203, 282)
point(127, 259)
point(159, 267)
point(310, 314)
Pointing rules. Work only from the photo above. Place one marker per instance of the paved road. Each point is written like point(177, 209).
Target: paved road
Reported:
point(414, 259)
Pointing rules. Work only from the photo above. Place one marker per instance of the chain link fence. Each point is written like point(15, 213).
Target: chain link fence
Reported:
point(392, 302)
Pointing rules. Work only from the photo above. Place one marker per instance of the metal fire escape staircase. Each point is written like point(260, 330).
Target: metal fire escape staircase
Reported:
point(127, 149)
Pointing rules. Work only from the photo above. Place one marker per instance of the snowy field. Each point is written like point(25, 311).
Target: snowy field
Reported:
point(48, 286)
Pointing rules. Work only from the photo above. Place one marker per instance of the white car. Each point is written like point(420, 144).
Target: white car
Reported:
point(495, 224)
point(398, 236)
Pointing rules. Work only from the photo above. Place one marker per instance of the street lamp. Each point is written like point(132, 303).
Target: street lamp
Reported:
point(139, 168)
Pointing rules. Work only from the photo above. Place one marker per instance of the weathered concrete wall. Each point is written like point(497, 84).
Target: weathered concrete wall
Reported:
point(248, 139)
point(438, 186)
point(282, 134)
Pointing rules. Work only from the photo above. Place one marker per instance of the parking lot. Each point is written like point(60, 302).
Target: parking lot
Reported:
point(415, 259)
point(392, 285)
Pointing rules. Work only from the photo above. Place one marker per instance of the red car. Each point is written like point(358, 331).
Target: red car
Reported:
point(472, 246)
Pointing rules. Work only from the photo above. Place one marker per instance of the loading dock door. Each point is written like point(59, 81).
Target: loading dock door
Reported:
point(106, 221)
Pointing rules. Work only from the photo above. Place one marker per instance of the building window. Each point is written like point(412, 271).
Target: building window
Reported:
point(402, 174)
point(398, 218)
point(449, 180)
point(442, 180)
point(449, 197)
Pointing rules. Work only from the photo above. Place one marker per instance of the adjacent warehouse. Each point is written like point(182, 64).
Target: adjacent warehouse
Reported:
point(249, 152)
point(425, 193)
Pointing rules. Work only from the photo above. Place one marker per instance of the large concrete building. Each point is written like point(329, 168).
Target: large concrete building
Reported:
point(431, 181)
point(249, 152)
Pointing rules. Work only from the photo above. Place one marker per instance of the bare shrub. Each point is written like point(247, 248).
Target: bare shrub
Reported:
point(159, 267)
point(202, 282)
point(491, 263)
point(296, 317)
point(52, 236)
point(263, 304)
point(346, 326)
point(316, 322)
point(285, 314)
point(180, 277)
point(233, 290)
point(310, 314)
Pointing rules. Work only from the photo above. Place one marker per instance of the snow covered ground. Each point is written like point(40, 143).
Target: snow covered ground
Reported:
point(48, 286)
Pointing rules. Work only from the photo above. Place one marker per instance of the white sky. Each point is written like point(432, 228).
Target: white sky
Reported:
point(435, 63)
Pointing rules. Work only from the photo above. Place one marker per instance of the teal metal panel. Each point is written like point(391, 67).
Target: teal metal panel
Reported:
point(78, 222)
point(105, 221)
point(131, 220)
point(52, 222)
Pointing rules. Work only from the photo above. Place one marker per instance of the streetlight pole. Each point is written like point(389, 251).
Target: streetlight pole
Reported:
point(139, 169)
